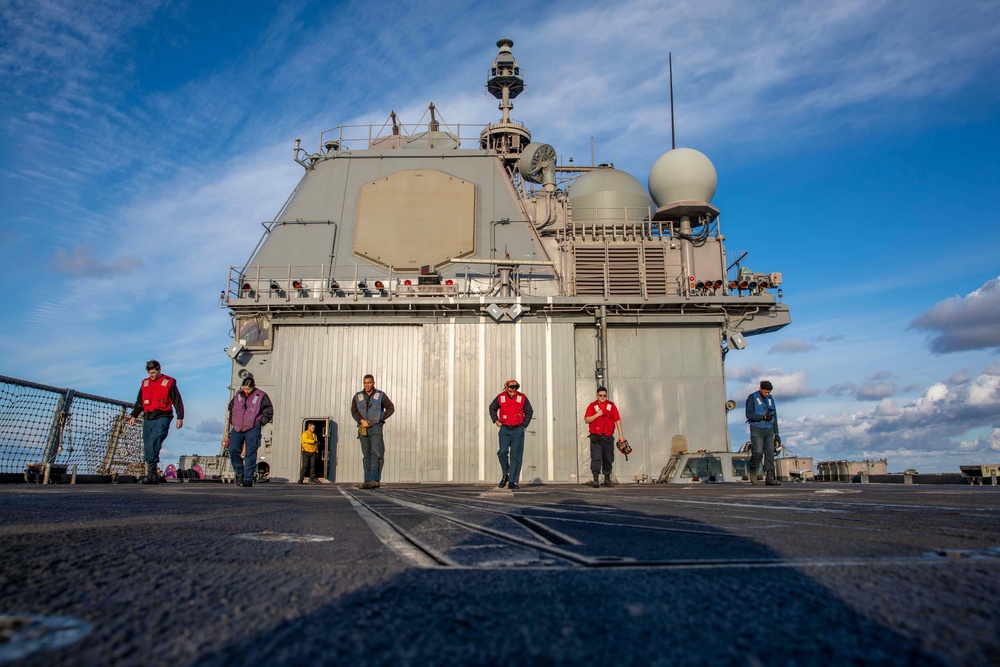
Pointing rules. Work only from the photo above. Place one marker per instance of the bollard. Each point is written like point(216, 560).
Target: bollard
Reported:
point(45, 476)
point(73, 478)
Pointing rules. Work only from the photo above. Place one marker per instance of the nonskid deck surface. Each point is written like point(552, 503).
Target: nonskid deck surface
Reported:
point(439, 574)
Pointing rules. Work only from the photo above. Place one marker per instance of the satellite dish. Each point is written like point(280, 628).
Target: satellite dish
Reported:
point(730, 405)
point(537, 163)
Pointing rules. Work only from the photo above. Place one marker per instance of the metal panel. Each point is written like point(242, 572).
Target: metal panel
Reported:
point(321, 369)
point(666, 381)
point(441, 377)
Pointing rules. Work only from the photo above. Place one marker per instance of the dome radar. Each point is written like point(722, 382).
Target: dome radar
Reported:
point(682, 183)
point(682, 174)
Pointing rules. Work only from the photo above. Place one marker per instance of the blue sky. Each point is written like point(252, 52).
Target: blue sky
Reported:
point(856, 144)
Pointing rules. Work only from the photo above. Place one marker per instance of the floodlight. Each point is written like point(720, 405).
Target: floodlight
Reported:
point(495, 311)
point(515, 311)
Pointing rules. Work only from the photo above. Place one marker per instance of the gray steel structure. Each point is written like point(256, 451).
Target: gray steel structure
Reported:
point(444, 271)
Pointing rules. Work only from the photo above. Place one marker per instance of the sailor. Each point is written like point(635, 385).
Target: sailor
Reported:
point(370, 408)
point(157, 400)
point(511, 412)
point(763, 419)
point(310, 452)
point(603, 418)
point(249, 409)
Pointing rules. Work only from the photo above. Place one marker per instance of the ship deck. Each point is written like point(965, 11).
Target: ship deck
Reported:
point(212, 574)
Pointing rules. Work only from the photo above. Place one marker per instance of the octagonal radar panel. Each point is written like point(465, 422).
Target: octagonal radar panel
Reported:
point(537, 163)
point(682, 174)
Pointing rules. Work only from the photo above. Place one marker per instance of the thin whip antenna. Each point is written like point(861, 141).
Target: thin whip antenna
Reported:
point(670, 61)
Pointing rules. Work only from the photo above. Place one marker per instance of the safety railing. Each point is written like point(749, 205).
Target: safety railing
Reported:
point(45, 429)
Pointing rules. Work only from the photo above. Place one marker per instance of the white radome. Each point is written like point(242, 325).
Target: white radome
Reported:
point(682, 174)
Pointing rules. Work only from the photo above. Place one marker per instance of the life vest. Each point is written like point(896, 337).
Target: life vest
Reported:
point(370, 407)
point(760, 406)
point(511, 412)
point(246, 410)
point(156, 394)
point(605, 424)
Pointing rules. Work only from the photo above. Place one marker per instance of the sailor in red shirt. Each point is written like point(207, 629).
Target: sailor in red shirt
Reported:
point(602, 416)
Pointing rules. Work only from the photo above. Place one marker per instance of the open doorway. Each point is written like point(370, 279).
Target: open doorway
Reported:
point(326, 434)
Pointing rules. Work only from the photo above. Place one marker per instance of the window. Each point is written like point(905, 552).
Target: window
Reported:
point(254, 333)
point(706, 469)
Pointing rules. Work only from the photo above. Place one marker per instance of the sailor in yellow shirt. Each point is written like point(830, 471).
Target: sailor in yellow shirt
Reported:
point(310, 452)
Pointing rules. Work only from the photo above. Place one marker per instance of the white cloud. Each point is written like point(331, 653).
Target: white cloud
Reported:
point(960, 323)
point(880, 386)
point(787, 386)
point(79, 261)
point(936, 423)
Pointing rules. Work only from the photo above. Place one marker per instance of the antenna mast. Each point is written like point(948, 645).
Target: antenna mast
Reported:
point(670, 61)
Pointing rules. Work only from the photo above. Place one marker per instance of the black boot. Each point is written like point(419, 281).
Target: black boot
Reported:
point(770, 479)
point(607, 481)
point(597, 480)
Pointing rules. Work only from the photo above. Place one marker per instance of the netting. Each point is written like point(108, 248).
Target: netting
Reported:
point(50, 425)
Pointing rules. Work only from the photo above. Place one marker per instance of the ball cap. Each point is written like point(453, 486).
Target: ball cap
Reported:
point(512, 384)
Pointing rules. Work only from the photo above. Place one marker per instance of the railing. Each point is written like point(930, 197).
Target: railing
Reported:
point(338, 283)
point(361, 137)
point(51, 427)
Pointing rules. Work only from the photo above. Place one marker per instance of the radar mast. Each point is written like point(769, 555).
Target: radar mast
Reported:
point(508, 137)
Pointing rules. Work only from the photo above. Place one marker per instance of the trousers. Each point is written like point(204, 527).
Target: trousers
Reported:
point(154, 432)
point(511, 451)
point(245, 465)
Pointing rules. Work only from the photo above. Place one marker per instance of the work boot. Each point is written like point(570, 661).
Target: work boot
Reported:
point(148, 476)
point(154, 475)
point(607, 481)
point(313, 480)
point(597, 480)
point(770, 479)
point(503, 482)
point(247, 483)
point(752, 474)
point(302, 480)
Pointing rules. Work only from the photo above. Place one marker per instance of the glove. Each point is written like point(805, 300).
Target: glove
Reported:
point(768, 415)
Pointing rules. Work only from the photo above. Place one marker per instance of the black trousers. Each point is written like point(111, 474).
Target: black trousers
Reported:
point(308, 465)
point(602, 453)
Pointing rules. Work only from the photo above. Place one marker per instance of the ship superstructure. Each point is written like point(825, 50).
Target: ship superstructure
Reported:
point(446, 259)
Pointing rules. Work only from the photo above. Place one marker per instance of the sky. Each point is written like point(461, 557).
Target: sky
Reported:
point(856, 144)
